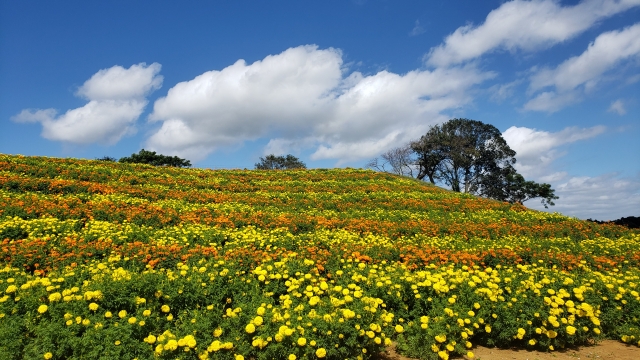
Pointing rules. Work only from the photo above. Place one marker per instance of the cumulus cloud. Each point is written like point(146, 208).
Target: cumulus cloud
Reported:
point(536, 149)
point(116, 100)
point(605, 197)
point(583, 72)
point(305, 93)
point(617, 107)
point(524, 25)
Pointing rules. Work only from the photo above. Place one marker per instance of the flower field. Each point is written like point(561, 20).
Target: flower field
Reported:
point(101, 260)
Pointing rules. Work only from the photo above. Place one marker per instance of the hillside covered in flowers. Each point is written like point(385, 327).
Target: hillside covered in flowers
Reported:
point(104, 260)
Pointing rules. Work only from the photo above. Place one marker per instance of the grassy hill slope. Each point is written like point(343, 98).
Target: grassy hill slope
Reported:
point(108, 260)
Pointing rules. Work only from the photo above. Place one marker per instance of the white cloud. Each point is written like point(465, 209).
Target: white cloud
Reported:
point(116, 100)
point(305, 93)
point(605, 52)
point(583, 71)
point(501, 92)
point(417, 29)
point(617, 107)
point(536, 149)
point(606, 197)
point(524, 25)
point(118, 83)
point(550, 101)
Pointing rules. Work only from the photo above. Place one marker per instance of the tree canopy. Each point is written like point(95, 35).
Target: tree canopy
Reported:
point(462, 153)
point(468, 156)
point(272, 162)
point(151, 158)
point(508, 185)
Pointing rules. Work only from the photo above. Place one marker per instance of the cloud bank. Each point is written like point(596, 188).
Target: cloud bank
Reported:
point(524, 25)
point(583, 72)
point(305, 97)
point(605, 197)
point(116, 100)
point(536, 149)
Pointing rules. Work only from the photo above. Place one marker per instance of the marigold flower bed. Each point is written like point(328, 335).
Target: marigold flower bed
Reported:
point(103, 260)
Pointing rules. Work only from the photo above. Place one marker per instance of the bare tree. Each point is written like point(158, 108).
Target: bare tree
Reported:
point(398, 160)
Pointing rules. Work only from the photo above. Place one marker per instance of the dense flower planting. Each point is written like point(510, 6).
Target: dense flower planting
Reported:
point(102, 260)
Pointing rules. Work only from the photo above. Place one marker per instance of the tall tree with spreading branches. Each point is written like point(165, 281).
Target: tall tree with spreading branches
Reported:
point(468, 156)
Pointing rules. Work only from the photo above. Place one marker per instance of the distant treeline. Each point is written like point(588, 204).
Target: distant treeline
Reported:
point(632, 222)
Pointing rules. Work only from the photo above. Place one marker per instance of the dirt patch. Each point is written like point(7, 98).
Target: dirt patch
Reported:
point(604, 350)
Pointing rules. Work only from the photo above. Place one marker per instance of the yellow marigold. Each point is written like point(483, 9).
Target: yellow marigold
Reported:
point(399, 328)
point(42, 309)
point(239, 357)
point(191, 341)
point(171, 345)
point(321, 352)
point(250, 328)
point(122, 314)
point(55, 297)
point(165, 308)
point(146, 313)
point(93, 306)
point(292, 357)
point(302, 341)
point(48, 355)
point(132, 320)
point(571, 330)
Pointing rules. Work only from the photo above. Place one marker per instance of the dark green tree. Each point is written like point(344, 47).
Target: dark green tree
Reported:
point(471, 156)
point(151, 158)
point(461, 152)
point(508, 185)
point(107, 158)
point(272, 162)
point(430, 153)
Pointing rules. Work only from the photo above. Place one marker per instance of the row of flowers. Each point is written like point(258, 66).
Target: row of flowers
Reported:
point(104, 260)
point(285, 307)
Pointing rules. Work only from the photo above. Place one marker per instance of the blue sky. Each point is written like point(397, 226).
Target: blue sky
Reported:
point(335, 83)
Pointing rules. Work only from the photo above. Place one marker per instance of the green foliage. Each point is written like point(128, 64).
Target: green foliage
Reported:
point(107, 158)
point(512, 187)
point(462, 152)
point(272, 162)
point(151, 158)
point(472, 157)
